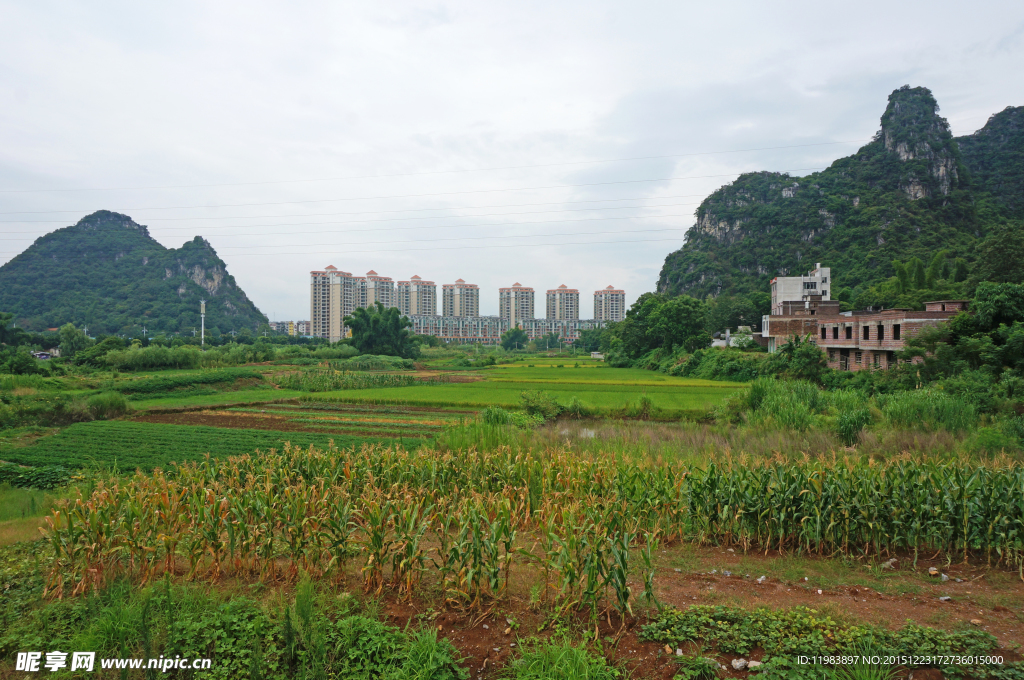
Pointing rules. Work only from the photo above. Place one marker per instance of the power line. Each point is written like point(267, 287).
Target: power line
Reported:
point(458, 238)
point(506, 245)
point(424, 226)
point(432, 172)
point(443, 193)
point(381, 212)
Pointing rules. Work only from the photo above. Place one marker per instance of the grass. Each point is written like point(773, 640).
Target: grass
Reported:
point(257, 396)
point(129, 445)
point(20, 530)
point(600, 397)
point(562, 660)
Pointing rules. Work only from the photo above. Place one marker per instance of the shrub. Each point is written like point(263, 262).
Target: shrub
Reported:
point(497, 417)
point(43, 477)
point(540, 404)
point(107, 405)
point(641, 409)
point(576, 409)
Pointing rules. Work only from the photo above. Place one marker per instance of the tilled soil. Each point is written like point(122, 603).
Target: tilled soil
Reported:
point(488, 641)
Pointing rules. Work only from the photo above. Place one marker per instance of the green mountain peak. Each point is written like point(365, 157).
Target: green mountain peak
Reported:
point(108, 273)
point(913, 191)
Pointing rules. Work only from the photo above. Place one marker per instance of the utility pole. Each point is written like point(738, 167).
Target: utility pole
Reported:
point(202, 317)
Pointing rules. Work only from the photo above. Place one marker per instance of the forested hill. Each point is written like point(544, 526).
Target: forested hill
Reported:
point(107, 272)
point(912, 192)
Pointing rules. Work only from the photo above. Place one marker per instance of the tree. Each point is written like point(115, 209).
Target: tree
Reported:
point(903, 280)
point(934, 269)
point(514, 338)
point(72, 340)
point(1001, 255)
point(549, 341)
point(655, 321)
point(589, 340)
point(998, 303)
point(918, 278)
point(22, 363)
point(960, 271)
point(382, 330)
point(801, 359)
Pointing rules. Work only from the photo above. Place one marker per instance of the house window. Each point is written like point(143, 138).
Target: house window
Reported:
point(824, 279)
point(849, 332)
point(810, 285)
point(867, 332)
point(831, 355)
point(824, 292)
point(881, 332)
point(878, 359)
point(857, 356)
point(835, 332)
point(823, 333)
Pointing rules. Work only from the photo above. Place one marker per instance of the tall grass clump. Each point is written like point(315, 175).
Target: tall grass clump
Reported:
point(562, 660)
point(929, 410)
point(107, 405)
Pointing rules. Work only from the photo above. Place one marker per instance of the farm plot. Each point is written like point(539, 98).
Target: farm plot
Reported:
point(156, 439)
point(604, 390)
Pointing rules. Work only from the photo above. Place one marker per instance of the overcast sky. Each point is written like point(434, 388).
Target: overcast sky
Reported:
point(533, 142)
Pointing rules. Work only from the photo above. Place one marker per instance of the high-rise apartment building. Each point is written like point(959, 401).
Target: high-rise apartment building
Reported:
point(332, 297)
point(515, 304)
point(563, 303)
point(416, 296)
point(610, 304)
point(374, 288)
point(460, 299)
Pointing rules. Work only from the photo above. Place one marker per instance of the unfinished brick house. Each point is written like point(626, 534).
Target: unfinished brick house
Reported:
point(853, 341)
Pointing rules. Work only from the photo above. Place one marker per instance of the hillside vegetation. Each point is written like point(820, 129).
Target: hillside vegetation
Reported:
point(108, 273)
point(913, 192)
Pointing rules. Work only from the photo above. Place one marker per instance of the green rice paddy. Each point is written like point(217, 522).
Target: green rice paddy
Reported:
point(603, 389)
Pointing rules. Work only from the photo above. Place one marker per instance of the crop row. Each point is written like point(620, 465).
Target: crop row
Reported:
point(315, 510)
point(326, 380)
point(131, 445)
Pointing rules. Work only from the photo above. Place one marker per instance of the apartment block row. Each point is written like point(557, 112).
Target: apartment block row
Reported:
point(290, 327)
point(854, 340)
point(335, 294)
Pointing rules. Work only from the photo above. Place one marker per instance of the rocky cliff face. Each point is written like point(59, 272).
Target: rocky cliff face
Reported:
point(907, 193)
point(913, 131)
point(114, 276)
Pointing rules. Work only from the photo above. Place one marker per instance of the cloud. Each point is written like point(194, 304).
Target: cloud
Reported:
point(437, 107)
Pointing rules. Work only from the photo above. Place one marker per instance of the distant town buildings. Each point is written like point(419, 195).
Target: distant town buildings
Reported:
point(416, 296)
point(290, 327)
point(335, 294)
point(563, 303)
point(854, 340)
point(610, 304)
point(460, 299)
point(515, 304)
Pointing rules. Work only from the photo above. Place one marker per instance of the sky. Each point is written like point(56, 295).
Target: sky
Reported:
point(530, 142)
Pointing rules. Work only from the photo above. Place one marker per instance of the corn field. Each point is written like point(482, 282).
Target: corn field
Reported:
point(577, 522)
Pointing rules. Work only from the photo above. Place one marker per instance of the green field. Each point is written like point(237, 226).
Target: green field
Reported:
point(257, 396)
point(603, 389)
point(131, 445)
